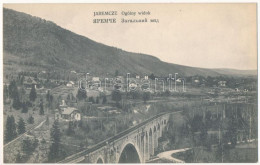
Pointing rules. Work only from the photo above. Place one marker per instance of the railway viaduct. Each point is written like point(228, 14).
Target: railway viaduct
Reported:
point(134, 145)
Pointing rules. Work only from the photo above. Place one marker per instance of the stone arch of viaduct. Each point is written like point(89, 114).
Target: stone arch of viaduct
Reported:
point(144, 140)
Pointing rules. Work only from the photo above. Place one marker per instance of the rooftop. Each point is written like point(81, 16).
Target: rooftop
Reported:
point(69, 110)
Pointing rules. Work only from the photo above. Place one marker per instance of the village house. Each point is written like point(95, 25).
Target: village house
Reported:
point(70, 84)
point(67, 113)
point(29, 82)
point(95, 83)
point(71, 114)
point(222, 83)
point(178, 80)
point(132, 85)
point(95, 79)
point(120, 79)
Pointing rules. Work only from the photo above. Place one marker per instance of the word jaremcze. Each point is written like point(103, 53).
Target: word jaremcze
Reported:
point(96, 13)
point(103, 13)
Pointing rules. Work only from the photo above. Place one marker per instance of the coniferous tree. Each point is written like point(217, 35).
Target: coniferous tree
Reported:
point(82, 94)
point(41, 109)
point(22, 94)
point(21, 126)
point(152, 76)
point(55, 148)
point(24, 108)
point(91, 99)
point(12, 89)
point(49, 98)
point(30, 120)
point(10, 131)
point(116, 96)
point(146, 96)
point(70, 130)
point(16, 102)
point(33, 94)
point(28, 146)
point(14, 94)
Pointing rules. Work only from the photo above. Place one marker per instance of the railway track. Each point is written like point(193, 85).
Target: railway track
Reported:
point(111, 139)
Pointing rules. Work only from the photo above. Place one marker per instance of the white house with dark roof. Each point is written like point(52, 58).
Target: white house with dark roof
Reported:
point(67, 113)
point(71, 114)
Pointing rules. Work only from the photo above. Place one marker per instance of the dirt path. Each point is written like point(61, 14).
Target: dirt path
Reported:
point(168, 155)
point(20, 136)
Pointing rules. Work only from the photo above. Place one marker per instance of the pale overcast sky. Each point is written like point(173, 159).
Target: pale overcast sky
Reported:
point(200, 35)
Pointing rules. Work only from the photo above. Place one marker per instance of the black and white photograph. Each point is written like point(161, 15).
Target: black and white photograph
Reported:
point(129, 83)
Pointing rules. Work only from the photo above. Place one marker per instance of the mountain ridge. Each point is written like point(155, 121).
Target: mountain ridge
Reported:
point(44, 44)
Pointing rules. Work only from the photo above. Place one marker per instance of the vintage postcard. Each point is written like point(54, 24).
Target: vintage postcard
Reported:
point(130, 83)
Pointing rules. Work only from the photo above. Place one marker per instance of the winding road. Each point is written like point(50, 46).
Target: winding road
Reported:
point(168, 155)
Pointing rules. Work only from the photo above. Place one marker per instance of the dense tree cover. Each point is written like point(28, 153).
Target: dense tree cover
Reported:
point(152, 76)
point(232, 131)
point(167, 93)
point(116, 96)
point(24, 107)
point(146, 96)
point(12, 89)
point(10, 130)
point(16, 102)
point(6, 92)
point(81, 95)
point(30, 119)
point(28, 145)
point(70, 130)
point(55, 152)
point(134, 94)
point(13, 93)
point(21, 126)
point(91, 99)
point(18, 158)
